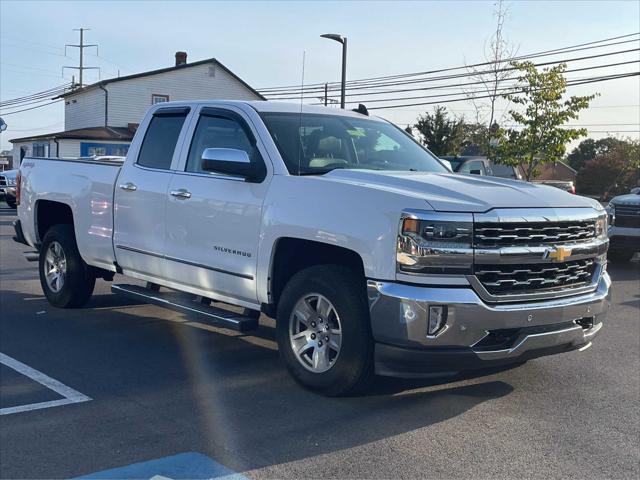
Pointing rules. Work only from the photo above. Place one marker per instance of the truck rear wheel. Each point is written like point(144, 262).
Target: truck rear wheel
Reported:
point(65, 278)
point(324, 332)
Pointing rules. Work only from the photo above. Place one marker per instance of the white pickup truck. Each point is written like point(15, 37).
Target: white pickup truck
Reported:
point(369, 254)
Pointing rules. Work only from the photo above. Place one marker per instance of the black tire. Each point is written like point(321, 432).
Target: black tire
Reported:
point(79, 280)
point(353, 369)
point(619, 255)
point(11, 204)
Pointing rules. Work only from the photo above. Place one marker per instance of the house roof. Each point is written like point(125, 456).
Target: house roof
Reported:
point(94, 133)
point(162, 70)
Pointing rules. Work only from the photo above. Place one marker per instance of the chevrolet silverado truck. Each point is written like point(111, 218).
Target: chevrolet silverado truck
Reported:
point(371, 256)
point(624, 226)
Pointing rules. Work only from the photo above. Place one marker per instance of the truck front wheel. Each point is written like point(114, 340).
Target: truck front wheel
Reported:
point(323, 330)
point(66, 280)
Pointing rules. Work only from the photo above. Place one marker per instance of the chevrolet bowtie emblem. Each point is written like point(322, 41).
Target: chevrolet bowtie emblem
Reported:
point(559, 254)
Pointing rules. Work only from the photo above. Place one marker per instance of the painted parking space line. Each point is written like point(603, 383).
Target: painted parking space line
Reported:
point(191, 465)
point(70, 395)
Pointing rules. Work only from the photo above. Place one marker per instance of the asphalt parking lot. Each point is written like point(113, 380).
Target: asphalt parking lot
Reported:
point(118, 383)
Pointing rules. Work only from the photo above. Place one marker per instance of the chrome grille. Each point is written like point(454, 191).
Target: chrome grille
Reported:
point(492, 234)
point(507, 279)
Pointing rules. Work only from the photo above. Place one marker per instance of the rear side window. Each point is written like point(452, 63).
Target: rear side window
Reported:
point(160, 140)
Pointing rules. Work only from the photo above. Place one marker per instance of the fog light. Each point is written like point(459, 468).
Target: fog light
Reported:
point(437, 319)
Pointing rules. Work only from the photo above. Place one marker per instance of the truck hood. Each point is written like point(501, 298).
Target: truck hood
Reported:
point(449, 192)
point(629, 199)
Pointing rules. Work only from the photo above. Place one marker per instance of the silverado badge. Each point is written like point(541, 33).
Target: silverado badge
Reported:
point(559, 254)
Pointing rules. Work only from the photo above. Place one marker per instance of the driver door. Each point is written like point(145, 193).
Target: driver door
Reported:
point(214, 227)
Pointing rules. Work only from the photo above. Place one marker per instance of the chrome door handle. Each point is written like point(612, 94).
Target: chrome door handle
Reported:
point(129, 187)
point(182, 193)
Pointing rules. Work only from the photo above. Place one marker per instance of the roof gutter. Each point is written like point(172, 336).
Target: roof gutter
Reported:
point(106, 104)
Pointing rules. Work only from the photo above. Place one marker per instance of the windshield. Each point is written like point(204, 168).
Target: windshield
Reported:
point(316, 144)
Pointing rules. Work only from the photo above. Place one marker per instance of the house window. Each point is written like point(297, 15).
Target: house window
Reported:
point(39, 149)
point(99, 149)
point(156, 98)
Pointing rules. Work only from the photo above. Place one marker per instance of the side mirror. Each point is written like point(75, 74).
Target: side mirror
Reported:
point(228, 161)
point(475, 172)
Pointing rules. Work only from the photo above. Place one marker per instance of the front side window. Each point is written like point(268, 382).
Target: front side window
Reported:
point(316, 144)
point(219, 132)
point(160, 140)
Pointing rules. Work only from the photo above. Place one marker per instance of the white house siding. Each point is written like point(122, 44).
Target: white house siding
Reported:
point(16, 152)
point(130, 99)
point(84, 110)
point(50, 149)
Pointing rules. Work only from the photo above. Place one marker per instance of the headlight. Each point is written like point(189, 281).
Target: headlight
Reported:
point(611, 213)
point(432, 243)
point(601, 226)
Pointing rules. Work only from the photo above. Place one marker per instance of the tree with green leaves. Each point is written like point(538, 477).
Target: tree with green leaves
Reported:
point(439, 133)
point(611, 172)
point(543, 112)
point(589, 148)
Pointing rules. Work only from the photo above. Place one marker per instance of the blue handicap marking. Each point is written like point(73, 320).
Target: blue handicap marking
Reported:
point(191, 465)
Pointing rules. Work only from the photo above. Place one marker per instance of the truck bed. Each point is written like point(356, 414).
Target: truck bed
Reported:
point(86, 186)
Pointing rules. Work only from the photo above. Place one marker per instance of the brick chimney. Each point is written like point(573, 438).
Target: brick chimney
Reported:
point(181, 58)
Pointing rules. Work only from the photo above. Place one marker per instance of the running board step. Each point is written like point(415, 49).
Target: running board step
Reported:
point(186, 303)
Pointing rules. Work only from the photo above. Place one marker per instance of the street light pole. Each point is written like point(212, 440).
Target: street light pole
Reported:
point(343, 86)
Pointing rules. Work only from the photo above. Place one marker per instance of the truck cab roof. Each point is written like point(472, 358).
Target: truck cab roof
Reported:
point(262, 106)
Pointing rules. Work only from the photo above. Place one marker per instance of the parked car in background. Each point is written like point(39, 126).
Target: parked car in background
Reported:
point(505, 171)
point(469, 164)
point(624, 226)
point(8, 187)
point(478, 165)
point(566, 185)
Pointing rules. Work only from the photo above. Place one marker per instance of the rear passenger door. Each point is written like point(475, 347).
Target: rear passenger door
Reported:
point(214, 224)
point(141, 194)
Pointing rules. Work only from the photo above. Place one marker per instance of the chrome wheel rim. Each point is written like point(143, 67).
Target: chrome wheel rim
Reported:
point(55, 267)
point(315, 333)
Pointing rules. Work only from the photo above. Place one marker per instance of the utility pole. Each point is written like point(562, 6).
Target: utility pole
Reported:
point(81, 46)
point(326, 98)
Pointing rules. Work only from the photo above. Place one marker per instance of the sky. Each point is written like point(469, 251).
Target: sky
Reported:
point(263, 43)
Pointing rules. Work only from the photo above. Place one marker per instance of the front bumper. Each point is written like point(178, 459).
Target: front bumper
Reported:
point(624, 238)
point(477, 334)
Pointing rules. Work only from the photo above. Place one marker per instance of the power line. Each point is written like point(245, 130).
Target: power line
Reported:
point(464, 75)
point(611, 77)
point(457, 86)
point(32, 108)
point(44, 95)
point(514, 88)
point(590, 45)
